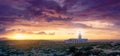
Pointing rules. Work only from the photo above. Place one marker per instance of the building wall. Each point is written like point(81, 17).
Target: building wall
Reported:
point(76, 41)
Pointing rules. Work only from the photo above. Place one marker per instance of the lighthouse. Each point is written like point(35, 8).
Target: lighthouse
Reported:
point(78, 40)
point(79, 36)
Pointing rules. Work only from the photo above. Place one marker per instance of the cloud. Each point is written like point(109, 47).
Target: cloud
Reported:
point(49, 19)
point(98, 9)
point(97, 24)
point(39, 6)
point(53, 33)
point(2, 29)
point(44, 14)
point(84, 9)
point(27, 9)
point(3, 38)
point(42, 33)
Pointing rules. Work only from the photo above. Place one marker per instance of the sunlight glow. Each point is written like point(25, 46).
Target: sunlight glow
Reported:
point(19, 36)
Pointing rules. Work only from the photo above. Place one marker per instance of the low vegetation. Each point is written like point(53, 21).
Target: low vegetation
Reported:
point(50, 48)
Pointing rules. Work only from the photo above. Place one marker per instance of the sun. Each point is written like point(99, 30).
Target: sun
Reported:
point(19, 36)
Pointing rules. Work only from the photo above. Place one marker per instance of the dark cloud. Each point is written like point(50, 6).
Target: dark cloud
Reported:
point(69, 3)
point(42, 33)
point(3, 38)
point(6, 20)
point(117, 23)
point(10, 10)
point(90, 10)
point(2, 29)
point(99, 9)
point(49, 19)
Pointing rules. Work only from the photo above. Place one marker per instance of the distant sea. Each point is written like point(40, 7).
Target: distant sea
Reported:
point(104, 40)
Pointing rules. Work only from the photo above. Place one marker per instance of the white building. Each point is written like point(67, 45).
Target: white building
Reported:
point(79, 40)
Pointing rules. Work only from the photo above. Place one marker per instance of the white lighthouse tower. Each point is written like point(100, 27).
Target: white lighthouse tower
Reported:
point(79, 36)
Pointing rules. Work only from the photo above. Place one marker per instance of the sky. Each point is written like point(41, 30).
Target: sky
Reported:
point(59, 19)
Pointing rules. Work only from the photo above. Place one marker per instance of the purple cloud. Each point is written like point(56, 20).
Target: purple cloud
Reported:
point(81, 10)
